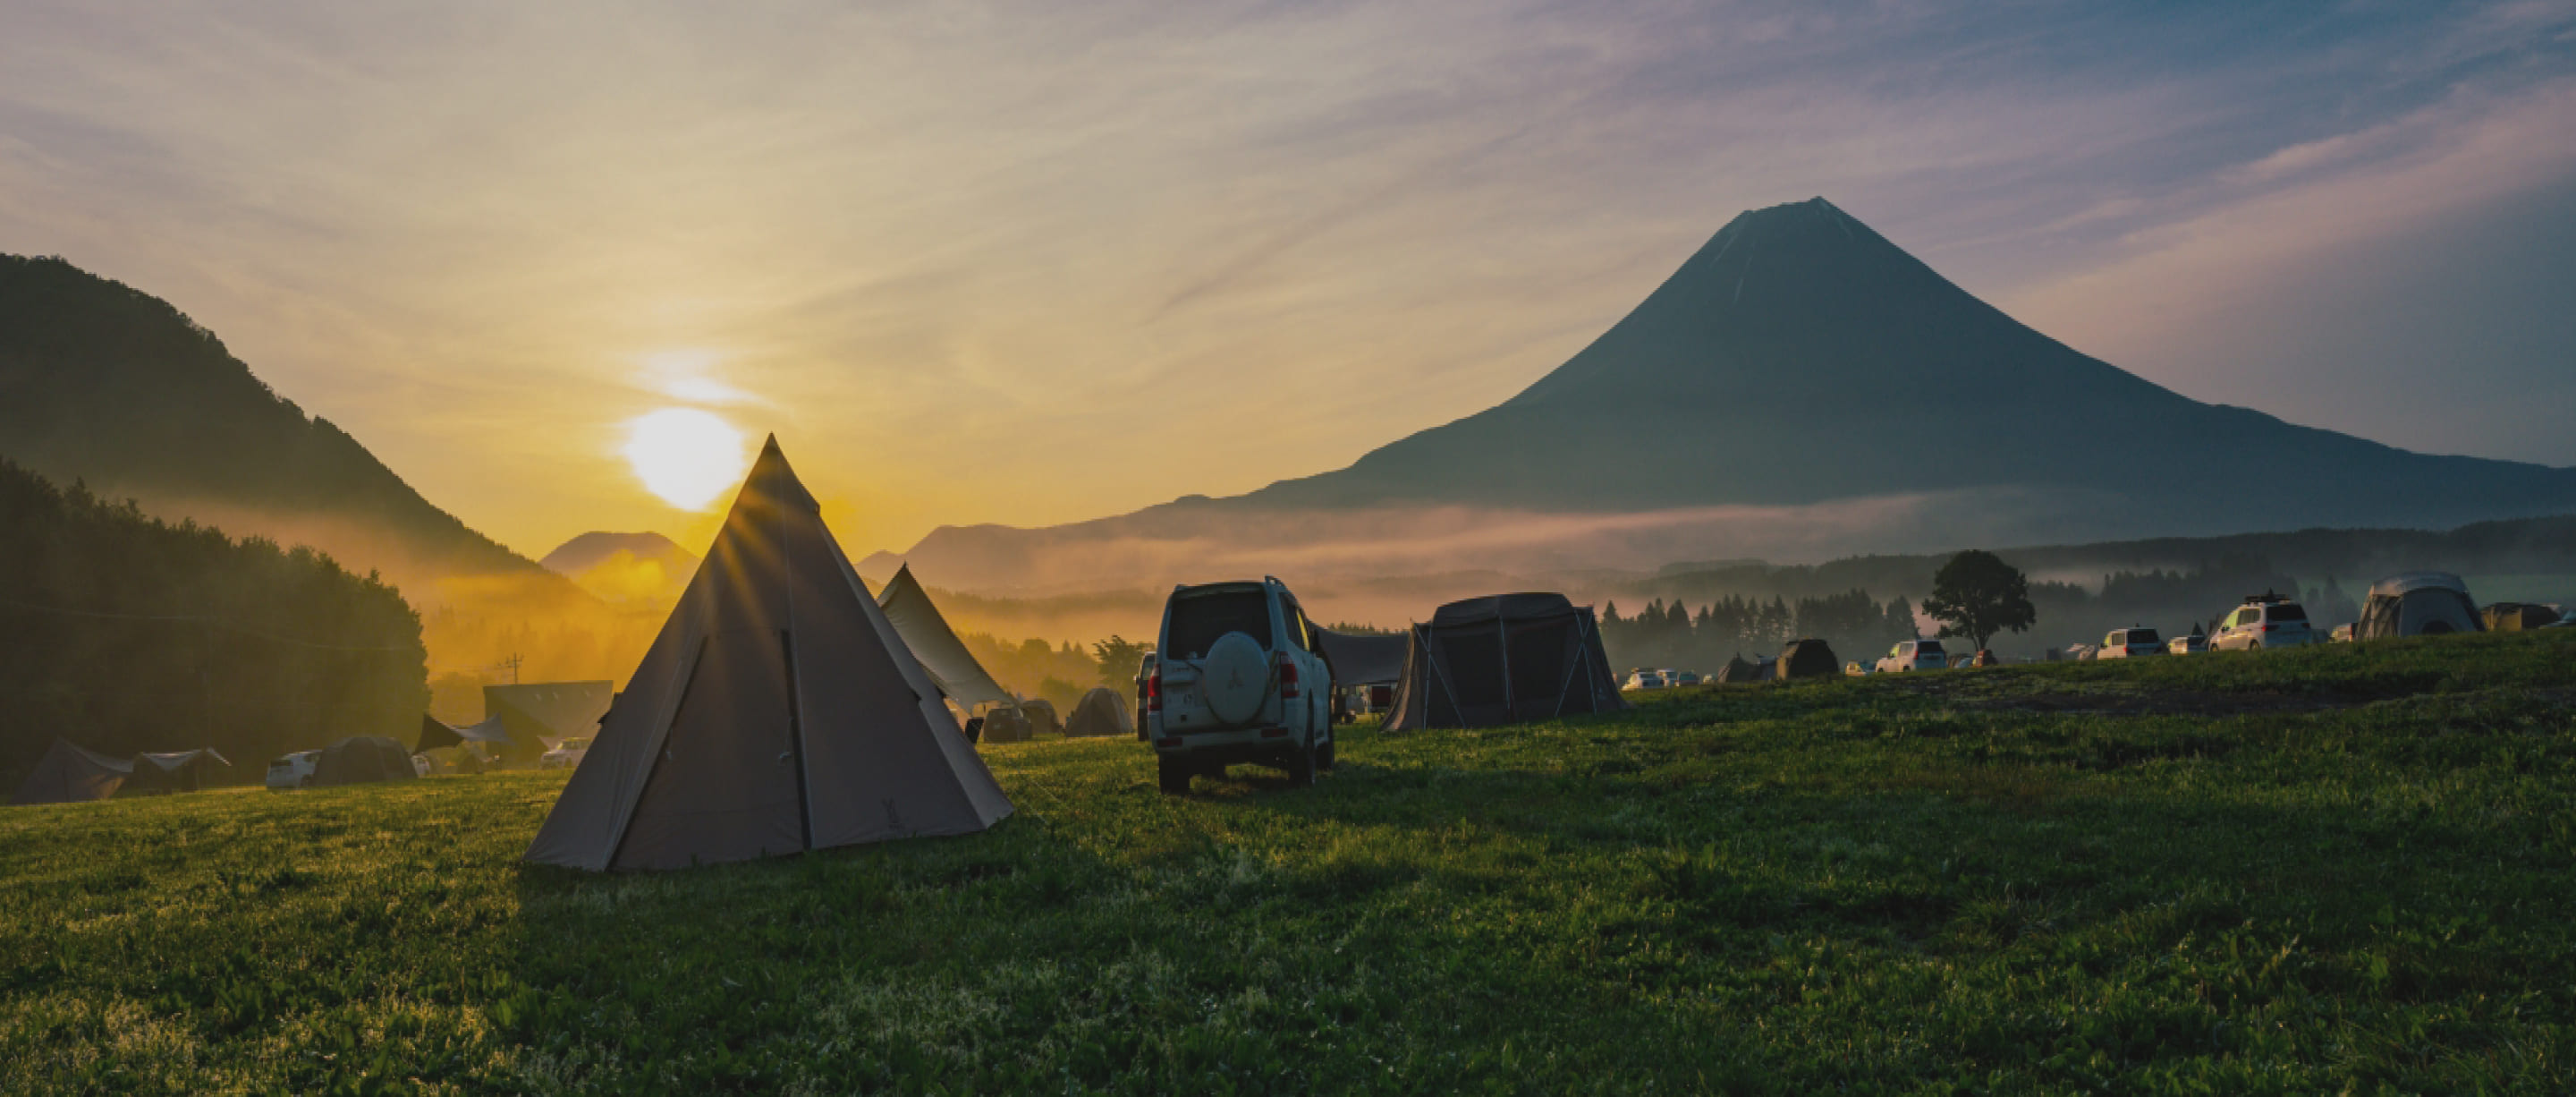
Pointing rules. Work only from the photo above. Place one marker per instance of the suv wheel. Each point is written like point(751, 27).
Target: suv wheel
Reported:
point(1324, 756)
point(1174, 774)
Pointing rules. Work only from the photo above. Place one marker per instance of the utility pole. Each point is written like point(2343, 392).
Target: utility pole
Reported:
point(513, 663)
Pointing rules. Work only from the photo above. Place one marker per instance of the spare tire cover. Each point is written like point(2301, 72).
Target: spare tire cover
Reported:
point(1235, 678)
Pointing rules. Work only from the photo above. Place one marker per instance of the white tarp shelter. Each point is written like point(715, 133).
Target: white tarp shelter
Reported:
point(778, 711)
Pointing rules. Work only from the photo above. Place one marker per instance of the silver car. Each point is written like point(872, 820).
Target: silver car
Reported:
point(2267, 621)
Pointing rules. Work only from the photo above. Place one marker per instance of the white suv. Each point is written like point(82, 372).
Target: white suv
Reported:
point(1914, 655)
point(1239, 677)
point(566, 755)
point(1644, 679)
point(295, 770)
point(2266, 621)
point(2129, 643)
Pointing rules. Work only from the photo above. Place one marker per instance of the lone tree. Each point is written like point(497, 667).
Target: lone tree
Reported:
point(1977, 595)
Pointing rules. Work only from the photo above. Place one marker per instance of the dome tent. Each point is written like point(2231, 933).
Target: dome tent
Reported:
point(1102, 712)
point(1807, 659)
point(2418, 603)
point(1042, 718)
point(777, 711)
point(1503, 659)
point(1737, 671)
point(363, 759)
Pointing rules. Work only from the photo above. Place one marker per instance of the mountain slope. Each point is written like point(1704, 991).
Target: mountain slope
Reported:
point(110, 386)
point(1800, 387)
point(625, 567)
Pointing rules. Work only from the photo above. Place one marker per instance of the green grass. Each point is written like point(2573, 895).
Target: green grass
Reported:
point(2331, 870)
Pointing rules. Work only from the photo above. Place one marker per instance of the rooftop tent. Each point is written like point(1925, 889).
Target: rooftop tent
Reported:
point(175, 771)
point(777, 711)
point(541, 715)
point(363, 759)
point(2517, 617)
point(1738, 671)
point(1362, 658)
point(1500, 660)
point(1807, 659)
point(1101, 712)
point(2417, 603)
point(942, 655)
point(68, 775)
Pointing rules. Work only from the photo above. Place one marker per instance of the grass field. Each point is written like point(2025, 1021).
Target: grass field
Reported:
point(2343, 869)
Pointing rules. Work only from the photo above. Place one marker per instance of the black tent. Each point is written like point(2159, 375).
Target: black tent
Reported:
point(1807, 659)
point(1503, 659)
point(1042, 716)
point(360, 759)
point(175, 771)
point(1738, 672)
point(68, 775)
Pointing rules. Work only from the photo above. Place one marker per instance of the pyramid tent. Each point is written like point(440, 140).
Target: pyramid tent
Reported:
point(68, 775)
point(175, 771)
point(777, 711)
point(943, 656)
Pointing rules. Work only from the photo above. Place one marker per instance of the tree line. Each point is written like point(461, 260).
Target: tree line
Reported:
point(124, 633)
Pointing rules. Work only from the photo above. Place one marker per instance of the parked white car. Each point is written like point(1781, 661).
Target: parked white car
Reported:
point(2190, 644)
point(421, 766)
point(1914, 655)
point(295, 770)
point(2265, 621)
point(1681, 678)
point(566, 755)
point(2129, 643)
point(1240, 678)
point(1644, 679)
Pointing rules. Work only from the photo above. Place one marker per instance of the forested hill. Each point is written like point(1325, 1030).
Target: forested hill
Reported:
point(125, 634)
point(110, 386)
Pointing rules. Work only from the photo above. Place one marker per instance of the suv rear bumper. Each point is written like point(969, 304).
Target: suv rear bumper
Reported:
point(1234, 745)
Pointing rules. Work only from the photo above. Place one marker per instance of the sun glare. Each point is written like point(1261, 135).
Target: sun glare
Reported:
point(687, 456)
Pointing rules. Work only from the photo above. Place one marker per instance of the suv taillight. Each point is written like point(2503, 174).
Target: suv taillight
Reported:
point(1154, 692)
point(1287, 677)
point(2270, 627)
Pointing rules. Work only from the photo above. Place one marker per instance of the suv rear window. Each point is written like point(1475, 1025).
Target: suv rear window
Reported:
point(2142, 636)
point(1929, 647)
point(2284, 612)
point(1198, 621)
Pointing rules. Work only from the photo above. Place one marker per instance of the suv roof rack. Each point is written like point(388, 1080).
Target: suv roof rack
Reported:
point(2264, 599)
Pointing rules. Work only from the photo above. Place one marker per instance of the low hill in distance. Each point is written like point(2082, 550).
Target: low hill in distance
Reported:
point(1800, 388)
point(625, 568)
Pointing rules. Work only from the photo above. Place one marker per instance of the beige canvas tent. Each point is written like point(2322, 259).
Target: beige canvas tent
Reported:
point(942, 655)
point(778, 711)
point(2418, 603)
point(68, 775)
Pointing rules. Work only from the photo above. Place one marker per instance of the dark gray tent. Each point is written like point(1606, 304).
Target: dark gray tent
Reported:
point(1807, 659)
point(68, 775)
point(1737, 671)
point(175, 771)
point(1101, 712)
point(1364, 658)
point(2417, 603)
point(778, 711)
point(1005, 724)
point(1501, 660)
point(362, 759)
point(1042, 717)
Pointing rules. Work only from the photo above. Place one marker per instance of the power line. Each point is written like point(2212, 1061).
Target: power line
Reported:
point(215, 622)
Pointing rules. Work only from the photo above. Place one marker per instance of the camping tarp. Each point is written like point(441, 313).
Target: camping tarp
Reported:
point(1808, 659)
point(1364, 659)
point(1102, 712)
point(435, 733)
point(1738, 671)
point(541, 715)
point(943, 656)
point(68, 774)
point(2417, 603)
point(777, 711)
point(1500, 660)
point(175, 771)
point(361, 759)
point(2517, 617)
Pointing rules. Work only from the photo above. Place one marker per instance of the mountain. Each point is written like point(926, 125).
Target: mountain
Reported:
point(1799, 388)
point(109, 386)
point(625, 567)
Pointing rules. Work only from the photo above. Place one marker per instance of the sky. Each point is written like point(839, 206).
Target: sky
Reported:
point(991, 262)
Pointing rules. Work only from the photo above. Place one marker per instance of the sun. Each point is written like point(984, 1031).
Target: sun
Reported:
point(685, 455)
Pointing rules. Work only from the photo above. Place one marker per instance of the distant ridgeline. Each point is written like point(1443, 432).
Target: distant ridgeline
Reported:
point(123, 633)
